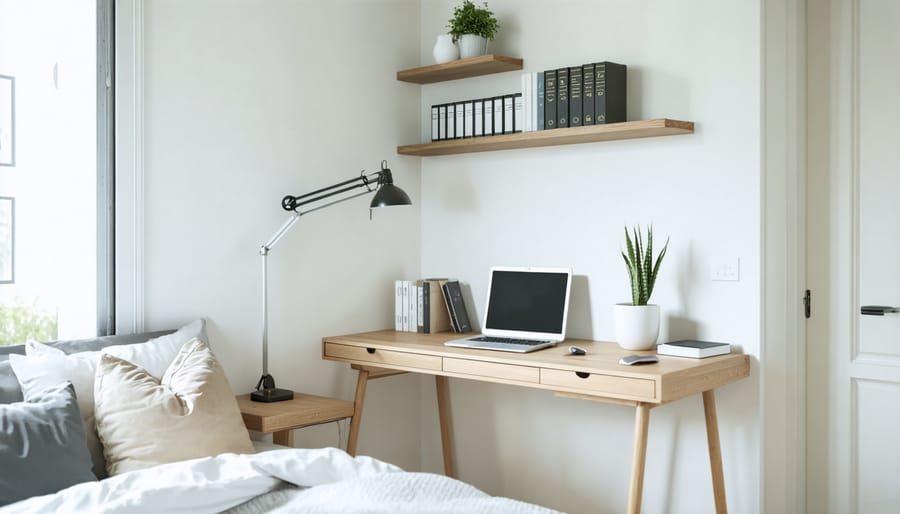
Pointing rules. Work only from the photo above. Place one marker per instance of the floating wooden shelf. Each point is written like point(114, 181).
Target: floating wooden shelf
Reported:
point(564, 136)
point(460, 69)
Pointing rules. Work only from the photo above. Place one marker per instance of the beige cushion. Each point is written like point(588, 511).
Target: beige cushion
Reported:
point(190, 413)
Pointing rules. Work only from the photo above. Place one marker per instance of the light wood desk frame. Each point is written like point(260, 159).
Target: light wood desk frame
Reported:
point(596, 376)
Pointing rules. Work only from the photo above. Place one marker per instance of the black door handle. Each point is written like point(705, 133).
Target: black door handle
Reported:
point(878, 310)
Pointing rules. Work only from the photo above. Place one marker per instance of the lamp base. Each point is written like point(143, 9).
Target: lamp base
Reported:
point(272, 395)
point(267, 392)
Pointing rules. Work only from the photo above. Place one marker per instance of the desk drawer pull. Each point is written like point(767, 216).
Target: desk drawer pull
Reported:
point(582, 374)
point(370, 350)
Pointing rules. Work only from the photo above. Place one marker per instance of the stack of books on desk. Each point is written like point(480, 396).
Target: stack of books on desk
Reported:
point(430, 305)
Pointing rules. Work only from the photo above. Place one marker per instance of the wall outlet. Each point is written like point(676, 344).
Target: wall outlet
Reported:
point(726, 269)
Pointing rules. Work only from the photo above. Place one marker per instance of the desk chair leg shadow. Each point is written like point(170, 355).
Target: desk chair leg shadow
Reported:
point(366, 373)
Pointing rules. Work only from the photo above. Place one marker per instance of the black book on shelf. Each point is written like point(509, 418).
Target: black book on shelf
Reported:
point(562, 98)
point(550, 99)
point(609, 92)
point(587, 94)
point(575, 96)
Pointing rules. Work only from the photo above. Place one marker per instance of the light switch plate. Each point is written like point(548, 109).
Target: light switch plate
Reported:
point(726, 269)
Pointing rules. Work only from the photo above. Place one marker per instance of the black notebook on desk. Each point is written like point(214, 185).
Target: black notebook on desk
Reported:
point(526, 310)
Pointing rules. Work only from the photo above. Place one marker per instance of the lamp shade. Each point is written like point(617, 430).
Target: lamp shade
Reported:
point(388, 195)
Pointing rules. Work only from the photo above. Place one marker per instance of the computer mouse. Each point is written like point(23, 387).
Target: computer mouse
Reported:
point(576, 350)
point(630, 360)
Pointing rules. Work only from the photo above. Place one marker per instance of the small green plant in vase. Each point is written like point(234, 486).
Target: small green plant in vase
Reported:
point(637, 323)
point(472, 27)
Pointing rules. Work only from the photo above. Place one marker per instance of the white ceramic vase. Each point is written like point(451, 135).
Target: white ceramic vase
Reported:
point(637, 326)
point(471, 45)
point(445, 49)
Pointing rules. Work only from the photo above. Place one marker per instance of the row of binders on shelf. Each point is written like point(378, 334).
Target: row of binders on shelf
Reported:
point(430, 305)
point(575, 96)
point(476, 118)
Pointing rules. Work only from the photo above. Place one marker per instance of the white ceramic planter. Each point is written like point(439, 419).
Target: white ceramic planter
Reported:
point(471, 45)
point(445, 49)
point(637, 327)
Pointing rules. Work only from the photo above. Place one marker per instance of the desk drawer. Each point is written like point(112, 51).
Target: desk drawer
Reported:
point(492, 370)
point(598, 383)
point(382, 357)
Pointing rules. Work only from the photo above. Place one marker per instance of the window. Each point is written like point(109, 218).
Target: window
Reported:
point(55, 159)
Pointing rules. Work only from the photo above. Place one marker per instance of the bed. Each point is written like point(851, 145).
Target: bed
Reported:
point(76, 419)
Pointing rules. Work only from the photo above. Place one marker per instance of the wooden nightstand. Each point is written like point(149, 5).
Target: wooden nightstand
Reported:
point(281, 418)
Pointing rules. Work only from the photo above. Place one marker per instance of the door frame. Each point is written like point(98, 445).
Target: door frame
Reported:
point(783, 255)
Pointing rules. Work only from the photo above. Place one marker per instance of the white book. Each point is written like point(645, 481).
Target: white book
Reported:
point(694, 349)
point(478, 129)
point(398, 305)
point(413, 308)
point(526, 95)
point(420, 308)
point(404, 294)
point(442, 122)
point(459, 128)
point(508, 120)
point(488, 116)
point(534, 101)
point(518, 114)
point(498, 115)
point(469, 119)
point(434, 122)
point(451, 121)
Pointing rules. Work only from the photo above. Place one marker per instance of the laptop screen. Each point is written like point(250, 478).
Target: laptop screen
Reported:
point(531, 302)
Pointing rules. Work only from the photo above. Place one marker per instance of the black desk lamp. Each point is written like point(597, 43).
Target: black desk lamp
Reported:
point(386, 194)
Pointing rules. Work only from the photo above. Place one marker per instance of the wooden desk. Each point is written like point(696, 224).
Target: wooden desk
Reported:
point(281, 418)
point(596, 376)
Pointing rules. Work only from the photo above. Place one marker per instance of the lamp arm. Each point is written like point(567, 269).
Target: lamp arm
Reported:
point(291, 203)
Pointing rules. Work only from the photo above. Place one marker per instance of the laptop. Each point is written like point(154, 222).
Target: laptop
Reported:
point(526, 310)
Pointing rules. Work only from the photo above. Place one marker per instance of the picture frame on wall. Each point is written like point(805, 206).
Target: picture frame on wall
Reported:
point(7, 120)
point(7, 240)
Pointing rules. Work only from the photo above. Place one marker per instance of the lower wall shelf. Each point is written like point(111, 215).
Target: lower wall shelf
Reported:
point(564, 136)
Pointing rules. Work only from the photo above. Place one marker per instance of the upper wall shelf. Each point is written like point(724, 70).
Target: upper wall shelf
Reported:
point(460, 69)
point(563, 136)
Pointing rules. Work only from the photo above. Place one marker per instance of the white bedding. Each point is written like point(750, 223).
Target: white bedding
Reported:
point(326, 480)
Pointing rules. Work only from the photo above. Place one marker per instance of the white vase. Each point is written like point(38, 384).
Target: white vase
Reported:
point(471, 45)
point(444, 49)
point(637, 326)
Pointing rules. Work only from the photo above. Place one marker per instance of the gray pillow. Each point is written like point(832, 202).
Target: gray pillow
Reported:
point(42, 445)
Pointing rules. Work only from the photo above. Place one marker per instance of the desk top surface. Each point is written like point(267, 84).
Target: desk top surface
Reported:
point(602, 357)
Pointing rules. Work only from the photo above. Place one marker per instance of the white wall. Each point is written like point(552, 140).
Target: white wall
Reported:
point(692, 60)
point(245, 102)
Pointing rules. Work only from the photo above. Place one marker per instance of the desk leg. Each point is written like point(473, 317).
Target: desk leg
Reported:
point(361, 380)
point(284, 438)
point(443, 399)
point(639, 457)
point(715, 450)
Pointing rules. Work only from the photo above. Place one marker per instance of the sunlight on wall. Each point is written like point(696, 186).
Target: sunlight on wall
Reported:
point(49, 46)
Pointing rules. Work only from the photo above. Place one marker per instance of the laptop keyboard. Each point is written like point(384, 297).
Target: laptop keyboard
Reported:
point(508, 340)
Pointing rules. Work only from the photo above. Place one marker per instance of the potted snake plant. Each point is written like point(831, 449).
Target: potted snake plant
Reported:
point(637, 323)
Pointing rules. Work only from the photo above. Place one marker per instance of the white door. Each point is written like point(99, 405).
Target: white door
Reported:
point(853, 227)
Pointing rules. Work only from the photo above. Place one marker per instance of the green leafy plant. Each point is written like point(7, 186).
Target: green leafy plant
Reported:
point(19, 323)
point(639, 260)
point(468, 19)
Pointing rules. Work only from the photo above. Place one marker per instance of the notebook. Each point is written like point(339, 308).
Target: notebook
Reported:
point(526, 310)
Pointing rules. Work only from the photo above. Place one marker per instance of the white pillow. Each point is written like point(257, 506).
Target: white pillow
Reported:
point(46, 366)
point(191, 413)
